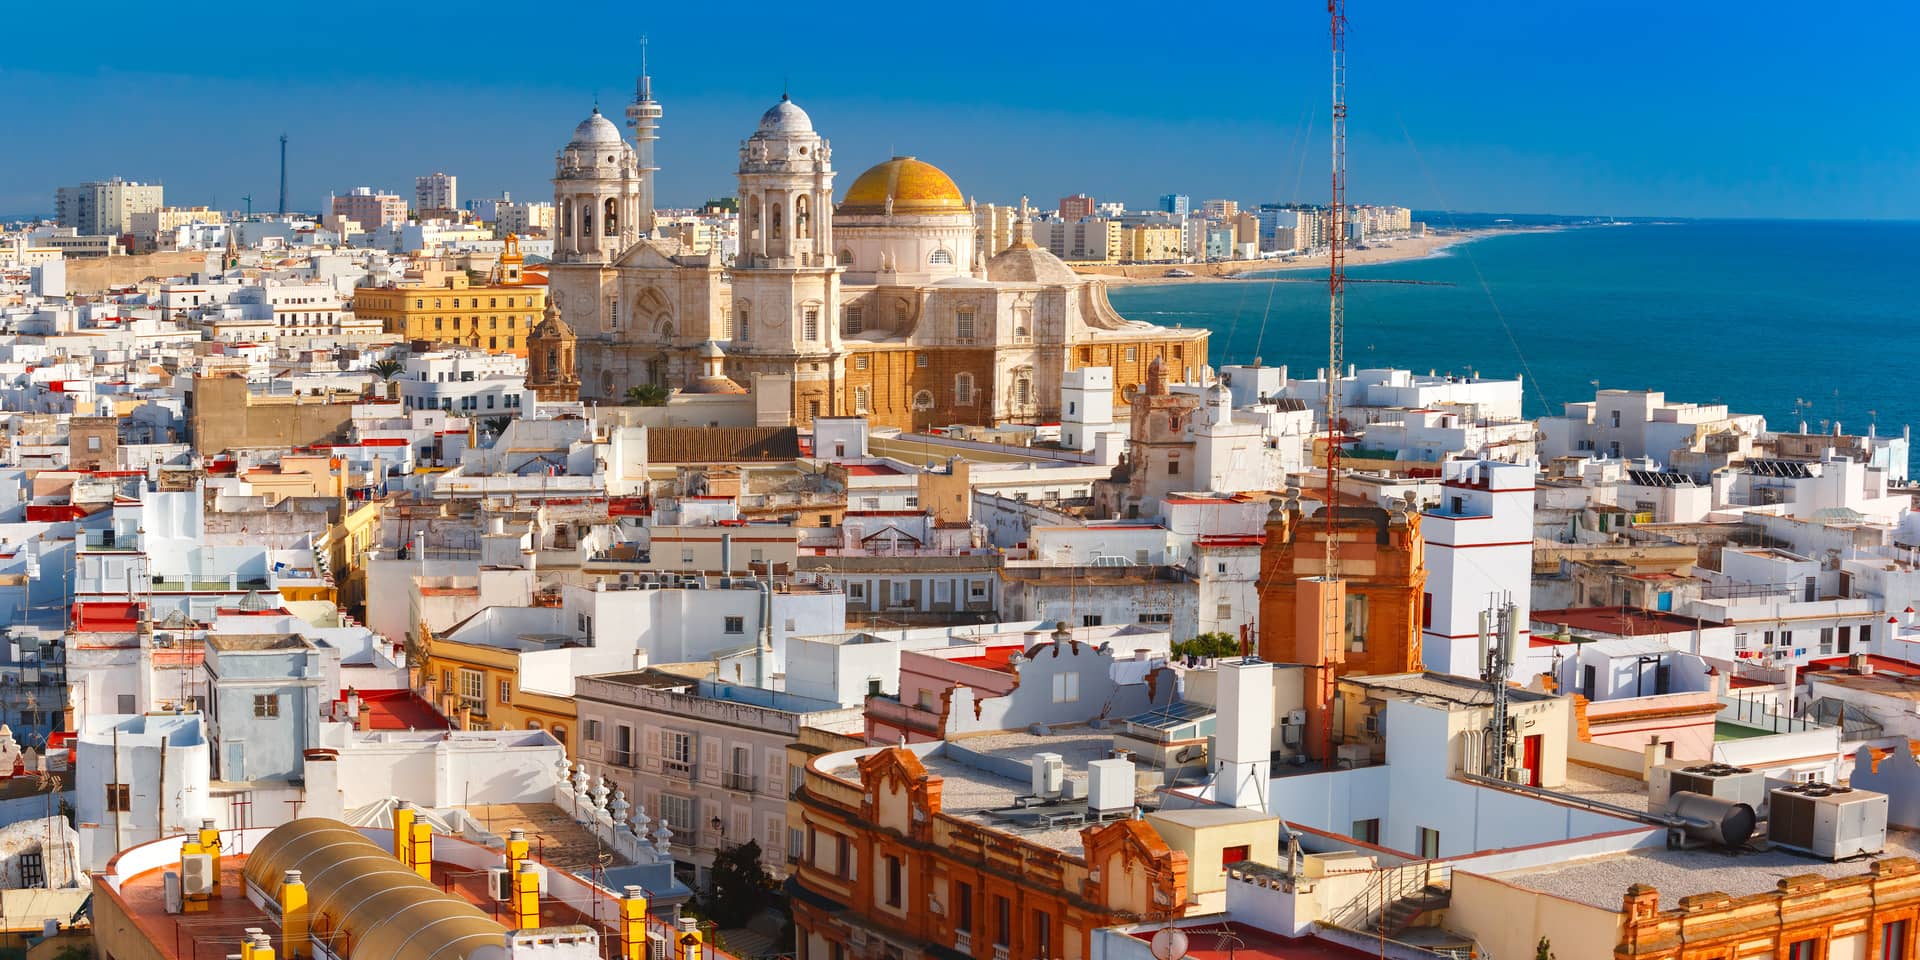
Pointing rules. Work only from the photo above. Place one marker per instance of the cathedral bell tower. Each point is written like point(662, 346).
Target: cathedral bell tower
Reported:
point(786, 281)
point(551, 374)
point(596, 194)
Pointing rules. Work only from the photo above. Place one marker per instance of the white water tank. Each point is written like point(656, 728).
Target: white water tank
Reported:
point(1110, 785)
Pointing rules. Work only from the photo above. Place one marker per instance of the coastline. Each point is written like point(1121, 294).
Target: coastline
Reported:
point(1412, 248)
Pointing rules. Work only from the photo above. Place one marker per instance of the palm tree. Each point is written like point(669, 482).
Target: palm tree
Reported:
point(387, 369)
point(647, 395)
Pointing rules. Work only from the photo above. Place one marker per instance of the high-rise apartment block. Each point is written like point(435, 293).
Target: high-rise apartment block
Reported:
point(105, 207)
point(370, 210)
point(1077, 206)
point(1220, 209)
point(436, 192)
point(1175, 203)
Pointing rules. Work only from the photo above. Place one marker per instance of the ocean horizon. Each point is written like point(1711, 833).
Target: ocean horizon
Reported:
point(1775, 317)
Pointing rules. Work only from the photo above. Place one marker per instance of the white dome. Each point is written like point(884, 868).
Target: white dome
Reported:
point(596, 131)
point(785, 117)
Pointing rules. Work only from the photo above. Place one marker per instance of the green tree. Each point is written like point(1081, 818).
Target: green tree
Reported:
point(647, 395)
point(1543, 950)
point(1208, 645)
point(739, 888)
point(387, 369)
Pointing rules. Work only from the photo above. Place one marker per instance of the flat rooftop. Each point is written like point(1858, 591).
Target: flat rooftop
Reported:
point(1603, 881)
point(977, 774)
point(1440, 686)
point(1614, 621)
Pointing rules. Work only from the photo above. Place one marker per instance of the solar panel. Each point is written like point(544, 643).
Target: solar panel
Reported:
point(1172, 715)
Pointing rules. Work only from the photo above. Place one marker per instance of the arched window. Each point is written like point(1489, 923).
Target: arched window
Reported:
point(666, 329)
point(566, 220)
point(586, 219)
point(533, 724)
point(726, 324)
point(800, 217)
point(963, 389)
point(611, 218)
point(923, 400)
point(773, 227)
point(742, 320)
point(846, 258)
point(1023, 391)
point(560, 733)
point(940, 257)
point(754, 203)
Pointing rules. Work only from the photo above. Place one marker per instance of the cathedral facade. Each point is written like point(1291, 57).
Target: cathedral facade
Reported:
point(882, 305)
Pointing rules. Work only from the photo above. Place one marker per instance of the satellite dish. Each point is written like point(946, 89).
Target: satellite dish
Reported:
point(1169, 944)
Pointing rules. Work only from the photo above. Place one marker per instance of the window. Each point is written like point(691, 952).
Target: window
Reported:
point(1846, 639)
point(920, 360)
point(963, 324)
point(1366, 831)
point(1173, 466)
point(846, 258)
point(473, 686)
point(963, 389)
point(119, 798)
point(810, 326)
point(743, 321)
point(676, 809)
point(1802, 949)
point(1132, 354)
point(446, 681)
point(853, 322)
point(860, 396)
point(1740, 640)
point(1866, 635)
point(1428, 845)
point(506, 691)
point(963, 907)
point(686, 554)
point(940, 257)
point(857, 591)
point(1233, 855)
point(860, 362)
point(1042, 934)
point(1356, 623)
point(266, 705)
point(31, 872)
point(1826, 641)
point(1090, 620)
point(1224, 612)
point(622, 745)
point(977, 589)
point(1023, 391)
point(736, 625)
point(842, 857)
point(923, 400)
point(894, 881)
point(1157, 618)
point(1893, 936)
point(592, 730)
point(126, 703)
point(1066, 687)
point(1002, 922)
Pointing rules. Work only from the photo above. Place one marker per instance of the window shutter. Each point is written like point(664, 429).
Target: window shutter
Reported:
point(653, 749)
point(776, 773)
point(710, 759)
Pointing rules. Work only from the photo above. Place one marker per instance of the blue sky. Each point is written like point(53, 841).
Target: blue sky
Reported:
point(1624, 108)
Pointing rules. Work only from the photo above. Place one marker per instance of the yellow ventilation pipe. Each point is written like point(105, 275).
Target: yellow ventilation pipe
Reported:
point(421, 854)
point(402, 830)
point(633, 924)
point(293, 916)
point(526, 897)
point(210, 844)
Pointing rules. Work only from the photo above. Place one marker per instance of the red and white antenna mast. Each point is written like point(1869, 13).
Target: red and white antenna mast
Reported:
point(1331, 637)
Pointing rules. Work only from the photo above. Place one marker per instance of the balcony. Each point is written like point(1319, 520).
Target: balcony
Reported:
point(963, 941)
point(999, 951)
point(677, 769)
point(737, 780)
point(622, 758)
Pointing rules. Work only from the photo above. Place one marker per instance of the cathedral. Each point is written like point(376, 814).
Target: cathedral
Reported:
point(884, 305)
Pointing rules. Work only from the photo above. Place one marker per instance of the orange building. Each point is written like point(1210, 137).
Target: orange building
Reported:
point(1870, 916)
point(1372, 619)
point(890, 870)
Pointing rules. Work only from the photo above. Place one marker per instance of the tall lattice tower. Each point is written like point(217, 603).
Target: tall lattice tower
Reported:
point(1333, 604)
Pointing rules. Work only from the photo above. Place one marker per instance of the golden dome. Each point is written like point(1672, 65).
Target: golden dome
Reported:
point(914, 186)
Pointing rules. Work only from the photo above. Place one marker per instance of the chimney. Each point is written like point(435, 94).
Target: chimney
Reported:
point(293, 915)
point(526, 897)
point(1243, 734)
point(402, 829)
point(633, 924)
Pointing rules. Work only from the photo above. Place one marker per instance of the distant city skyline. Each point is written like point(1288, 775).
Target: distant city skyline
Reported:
point(1600, 109)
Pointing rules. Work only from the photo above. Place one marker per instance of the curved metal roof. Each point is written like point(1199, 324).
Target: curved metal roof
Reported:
point(365, 901)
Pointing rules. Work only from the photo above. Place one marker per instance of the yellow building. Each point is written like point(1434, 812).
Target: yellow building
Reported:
point(478, 686)
point(495, 317)
point(1152, 243)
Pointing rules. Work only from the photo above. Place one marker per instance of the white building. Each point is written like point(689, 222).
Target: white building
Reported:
point(1479, 551)
point(464, 381)
point(436, 192)
point(1629, 424)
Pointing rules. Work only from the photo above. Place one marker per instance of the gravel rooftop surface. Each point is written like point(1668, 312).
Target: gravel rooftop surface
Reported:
point(1603, 881)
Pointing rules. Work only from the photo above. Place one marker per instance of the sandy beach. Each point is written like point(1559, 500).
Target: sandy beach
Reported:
point(1410, 248)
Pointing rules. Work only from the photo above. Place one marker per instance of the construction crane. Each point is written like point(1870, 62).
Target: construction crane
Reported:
point(1332, 604)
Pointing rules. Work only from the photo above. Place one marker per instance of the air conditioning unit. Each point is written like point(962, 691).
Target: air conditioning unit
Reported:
point(1296, 718)
point(499, 884)
point(1350, 755)
point(172, 898)
point(1827, 821)
point(196, 874)
point(1719, 780)
point(1049, 774)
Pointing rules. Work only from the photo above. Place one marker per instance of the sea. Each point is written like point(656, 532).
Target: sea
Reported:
point(1795, 320)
